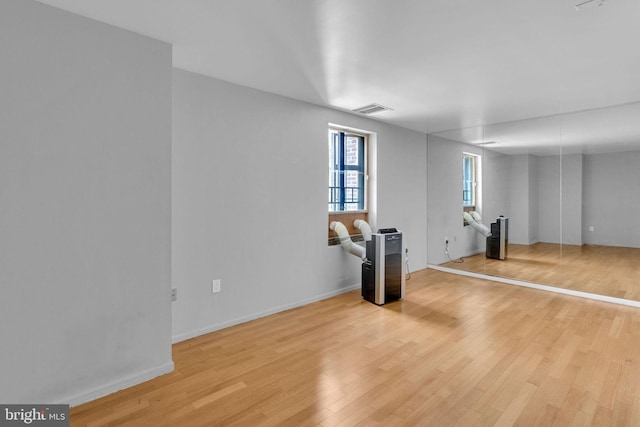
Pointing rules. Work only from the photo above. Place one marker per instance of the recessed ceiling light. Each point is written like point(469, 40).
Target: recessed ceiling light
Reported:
point(488, 143)
point(372, 109)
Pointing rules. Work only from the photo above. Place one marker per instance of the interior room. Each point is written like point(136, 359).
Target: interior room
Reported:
point(167, 253)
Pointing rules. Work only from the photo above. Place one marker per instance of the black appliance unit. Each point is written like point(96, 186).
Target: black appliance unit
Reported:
point(383, 272)
point(498, 242)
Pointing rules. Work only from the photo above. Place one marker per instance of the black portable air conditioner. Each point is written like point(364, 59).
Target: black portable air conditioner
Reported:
point(498, 242)
point(383, 272)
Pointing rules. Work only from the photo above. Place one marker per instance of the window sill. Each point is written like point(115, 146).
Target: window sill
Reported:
point(335, 241)
point(348, 212)
point(470, 208)
point(347, 218)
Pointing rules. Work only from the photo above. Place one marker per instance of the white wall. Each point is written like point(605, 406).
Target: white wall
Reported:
point(520, 202)
point(496, 188)
point(250, 207)
point(611, 199)
point(572, 166)
point(522, 186)
point(549, 199)
point(560, 199)
point(85, 138)
point(534, 191)
point(585, 190)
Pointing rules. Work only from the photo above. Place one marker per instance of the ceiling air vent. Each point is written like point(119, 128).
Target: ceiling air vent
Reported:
point(372, 109)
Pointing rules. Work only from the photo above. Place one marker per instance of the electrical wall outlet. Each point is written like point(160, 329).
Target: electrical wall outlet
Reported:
point(215, 286)
point(174, 294)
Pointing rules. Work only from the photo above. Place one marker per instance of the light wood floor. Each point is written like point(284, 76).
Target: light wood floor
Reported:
point(604, 270)
point(456, 351)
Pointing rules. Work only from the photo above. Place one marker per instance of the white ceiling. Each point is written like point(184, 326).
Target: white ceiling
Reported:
point(610, 129)
point(440, 64)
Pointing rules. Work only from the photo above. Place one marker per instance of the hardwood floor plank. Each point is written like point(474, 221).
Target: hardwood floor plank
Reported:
point(569, 408)
point(203, 401)
point(516, 405)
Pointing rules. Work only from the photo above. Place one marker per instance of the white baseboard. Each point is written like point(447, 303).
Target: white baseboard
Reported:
point(253, 316)
point(547, 288)
point(121, 384)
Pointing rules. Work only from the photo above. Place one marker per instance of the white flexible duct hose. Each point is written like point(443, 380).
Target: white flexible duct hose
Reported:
point(364, 228)
point(480, 228)
point(345, 240)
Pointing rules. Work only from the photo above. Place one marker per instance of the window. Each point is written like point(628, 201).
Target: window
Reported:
point(348, 190)
point(347, 171)
point(470, 166)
